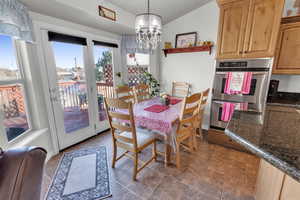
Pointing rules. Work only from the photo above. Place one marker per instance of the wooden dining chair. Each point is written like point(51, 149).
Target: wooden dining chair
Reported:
point(180, 89)
point(141, 92)
point(202, 105)
point(126, 136)
point(125, 93)
point(186, 127)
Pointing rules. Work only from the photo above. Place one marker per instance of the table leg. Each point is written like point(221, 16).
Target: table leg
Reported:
point(168, 150)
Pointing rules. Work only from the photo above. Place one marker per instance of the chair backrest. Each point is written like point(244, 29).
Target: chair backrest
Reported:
point(124, 93)
point(201, 107)
point(141, 92)
point(190, 111)
point(203, 100)
point(180, 89)
point(121, 119)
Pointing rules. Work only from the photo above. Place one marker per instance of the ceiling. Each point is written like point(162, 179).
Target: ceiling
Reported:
point(59, 10)
point(168, 9)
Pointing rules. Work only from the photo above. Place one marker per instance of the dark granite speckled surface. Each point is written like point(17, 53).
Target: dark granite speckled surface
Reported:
point(274, 137)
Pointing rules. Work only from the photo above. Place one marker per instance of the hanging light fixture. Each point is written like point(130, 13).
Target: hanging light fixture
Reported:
point(148, 28)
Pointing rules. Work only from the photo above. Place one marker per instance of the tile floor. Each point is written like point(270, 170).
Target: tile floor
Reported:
point(211, 173)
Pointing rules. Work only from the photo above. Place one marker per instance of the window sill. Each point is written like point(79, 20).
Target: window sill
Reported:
point(28, 139)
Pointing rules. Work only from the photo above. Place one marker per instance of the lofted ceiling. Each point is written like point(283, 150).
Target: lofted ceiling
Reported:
point(85, 15)
point(85, 12)
point(168, 9)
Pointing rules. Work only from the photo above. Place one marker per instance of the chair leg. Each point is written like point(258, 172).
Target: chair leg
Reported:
point(194, 138)
point(114, 154)
point(178, 164)
point(135, 169)
point(154, 153)
point(192, 143)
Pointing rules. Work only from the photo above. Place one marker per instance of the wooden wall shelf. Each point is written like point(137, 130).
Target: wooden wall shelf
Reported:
point(291, 19)
point(188, 49)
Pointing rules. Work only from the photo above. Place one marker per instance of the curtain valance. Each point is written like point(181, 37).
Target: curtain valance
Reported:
point(15, 20)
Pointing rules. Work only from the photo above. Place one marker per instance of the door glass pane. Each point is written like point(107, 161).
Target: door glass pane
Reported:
point(104, 77)
point(72, 85)
point(14, 110)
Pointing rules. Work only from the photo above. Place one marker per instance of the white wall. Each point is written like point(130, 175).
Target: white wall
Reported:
point(288, 83)
point(196, 68)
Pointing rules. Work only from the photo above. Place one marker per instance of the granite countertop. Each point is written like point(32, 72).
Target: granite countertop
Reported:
point(274, 136)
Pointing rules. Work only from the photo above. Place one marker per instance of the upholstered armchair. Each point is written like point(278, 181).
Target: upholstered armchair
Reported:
point(21, 172)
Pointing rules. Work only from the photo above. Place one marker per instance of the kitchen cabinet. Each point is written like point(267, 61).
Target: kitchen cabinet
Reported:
point(232, 24)
point(287, 60)
point(248, 28)
point(269, 182)
point(273, 184)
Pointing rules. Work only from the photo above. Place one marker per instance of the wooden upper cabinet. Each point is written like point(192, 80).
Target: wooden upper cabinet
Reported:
point(287, 59)
point(262, 28)
point(232, 24)
point(248, 28)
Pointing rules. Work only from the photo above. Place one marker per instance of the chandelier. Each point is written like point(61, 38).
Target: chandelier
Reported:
point(148, 28)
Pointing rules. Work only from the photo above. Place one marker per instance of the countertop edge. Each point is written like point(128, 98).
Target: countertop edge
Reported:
point(282, 165)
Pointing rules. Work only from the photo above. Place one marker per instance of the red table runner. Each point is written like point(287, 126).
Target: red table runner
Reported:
point(157, 108)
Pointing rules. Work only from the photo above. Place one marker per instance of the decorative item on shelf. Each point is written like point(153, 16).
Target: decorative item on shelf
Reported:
point(168, 45)
point(292, 8)
point(200, 43)
point(107, 13)
point(148, 28)
point(186, 40)
point(207, 43)
point(165, 99)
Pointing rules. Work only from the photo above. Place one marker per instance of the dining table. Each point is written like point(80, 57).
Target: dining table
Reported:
point(163, 123)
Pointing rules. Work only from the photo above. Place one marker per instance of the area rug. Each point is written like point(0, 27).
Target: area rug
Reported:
point(82, 175)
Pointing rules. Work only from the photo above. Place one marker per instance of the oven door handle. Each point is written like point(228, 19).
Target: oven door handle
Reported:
point(254, 73)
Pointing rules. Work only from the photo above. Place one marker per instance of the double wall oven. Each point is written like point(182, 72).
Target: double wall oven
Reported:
point(255, 99)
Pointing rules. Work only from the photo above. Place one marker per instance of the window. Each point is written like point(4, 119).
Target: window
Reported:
point(137, 65)
point(13, 109)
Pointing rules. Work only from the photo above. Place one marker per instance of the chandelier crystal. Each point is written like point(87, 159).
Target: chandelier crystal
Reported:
point(148, 28)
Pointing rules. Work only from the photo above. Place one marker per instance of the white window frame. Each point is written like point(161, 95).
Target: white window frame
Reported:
point(22, 80)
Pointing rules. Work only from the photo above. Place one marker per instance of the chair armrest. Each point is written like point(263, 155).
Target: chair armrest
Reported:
point(21, 173)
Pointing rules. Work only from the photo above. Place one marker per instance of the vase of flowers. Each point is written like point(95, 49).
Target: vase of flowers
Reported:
point(165, 99)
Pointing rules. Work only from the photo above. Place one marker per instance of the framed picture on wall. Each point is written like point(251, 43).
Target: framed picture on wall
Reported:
point(291, 8)
point(186, 40)
point(107, 13)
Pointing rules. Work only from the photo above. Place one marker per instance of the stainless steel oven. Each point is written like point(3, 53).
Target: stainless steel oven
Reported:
point(256, 99)
point(217, 109)
point(257, 94)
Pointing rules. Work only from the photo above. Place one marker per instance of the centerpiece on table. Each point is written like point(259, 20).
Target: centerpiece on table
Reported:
point(165, 99)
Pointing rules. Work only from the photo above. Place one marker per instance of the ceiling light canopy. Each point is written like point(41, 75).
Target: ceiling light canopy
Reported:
point(148, 28)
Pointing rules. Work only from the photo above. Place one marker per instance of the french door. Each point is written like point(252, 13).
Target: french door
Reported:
point(79, 78)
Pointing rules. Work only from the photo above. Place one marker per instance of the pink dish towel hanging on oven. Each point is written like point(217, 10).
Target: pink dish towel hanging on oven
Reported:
point(238, 83)
point(227, 111)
